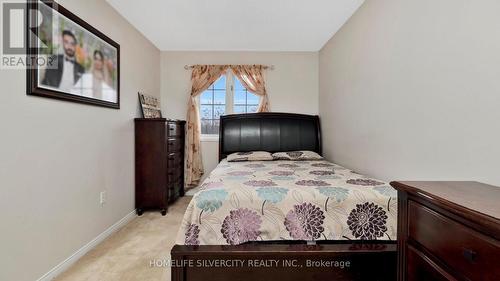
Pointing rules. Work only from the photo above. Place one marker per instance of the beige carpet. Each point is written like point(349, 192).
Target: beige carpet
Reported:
point(126, 255)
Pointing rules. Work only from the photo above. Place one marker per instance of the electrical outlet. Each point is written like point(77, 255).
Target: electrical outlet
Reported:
point(102, 197)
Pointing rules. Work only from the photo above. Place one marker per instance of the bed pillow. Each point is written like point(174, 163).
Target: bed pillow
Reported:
point(297, 155)
point(250, 156)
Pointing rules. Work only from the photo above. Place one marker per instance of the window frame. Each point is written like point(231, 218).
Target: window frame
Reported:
point(230, 92)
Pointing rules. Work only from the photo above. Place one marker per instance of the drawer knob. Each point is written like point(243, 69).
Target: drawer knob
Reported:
point(470, 255)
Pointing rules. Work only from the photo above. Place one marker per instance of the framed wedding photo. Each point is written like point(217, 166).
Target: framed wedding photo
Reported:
point(78, 62)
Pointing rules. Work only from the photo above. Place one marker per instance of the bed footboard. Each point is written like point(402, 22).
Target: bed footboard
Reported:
point(346, 261)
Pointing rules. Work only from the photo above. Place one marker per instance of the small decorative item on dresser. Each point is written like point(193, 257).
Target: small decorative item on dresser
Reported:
point(150, 106)
point(448, 231)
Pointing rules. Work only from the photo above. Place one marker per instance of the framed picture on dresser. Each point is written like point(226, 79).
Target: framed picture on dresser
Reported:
point(81, 64)
point(150, 106)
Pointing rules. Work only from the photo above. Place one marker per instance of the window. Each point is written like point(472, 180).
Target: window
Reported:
point(212, 106)
point(244, 102)
point(225, 96)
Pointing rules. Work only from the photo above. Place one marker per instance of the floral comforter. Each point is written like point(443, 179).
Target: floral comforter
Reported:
point(288, 200)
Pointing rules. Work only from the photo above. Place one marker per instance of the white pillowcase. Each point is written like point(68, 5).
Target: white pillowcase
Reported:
point(250, 156)
point(297, 155)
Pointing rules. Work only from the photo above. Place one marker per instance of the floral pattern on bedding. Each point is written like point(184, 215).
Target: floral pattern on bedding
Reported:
point(288, 200)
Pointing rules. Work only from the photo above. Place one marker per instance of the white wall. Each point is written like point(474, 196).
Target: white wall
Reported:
point(411, 90)
point(292, 86)
point(57, 156)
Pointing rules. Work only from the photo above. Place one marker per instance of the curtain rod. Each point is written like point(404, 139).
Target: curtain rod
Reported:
point(191, 66)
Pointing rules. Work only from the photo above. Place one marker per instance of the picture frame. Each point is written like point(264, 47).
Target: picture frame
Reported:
point(150, 106)
point(84, 63)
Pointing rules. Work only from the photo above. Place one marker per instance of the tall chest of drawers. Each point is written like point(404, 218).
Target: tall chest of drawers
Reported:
point(175, 155)
point(150, 165)
point(448, 231)
point(159, 163)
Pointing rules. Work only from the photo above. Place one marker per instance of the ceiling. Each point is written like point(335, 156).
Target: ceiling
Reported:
point(237, 25)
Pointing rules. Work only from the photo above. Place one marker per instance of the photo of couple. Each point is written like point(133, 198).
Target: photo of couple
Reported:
point(83, 64)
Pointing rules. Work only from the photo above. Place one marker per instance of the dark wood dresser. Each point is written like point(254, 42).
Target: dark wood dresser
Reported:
point(150, 165)
point(159, 163)
point(448, 231)
point(175, 164)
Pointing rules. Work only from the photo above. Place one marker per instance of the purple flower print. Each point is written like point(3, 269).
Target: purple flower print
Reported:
point(294, 154)
point(305, 222)
point(312, 183)
point(291, 166)
point(240, 173)
point(192, 232)
point(367, 221)
point(255, 165)
point(215, 184)
point(260, 183)
point(281, 173)
point(322, 173)
point(240, 226)
point(322, 165)
point(364, 182)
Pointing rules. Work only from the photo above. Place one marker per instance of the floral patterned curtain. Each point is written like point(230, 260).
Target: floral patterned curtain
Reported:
point(252, 78)
point(202, 77)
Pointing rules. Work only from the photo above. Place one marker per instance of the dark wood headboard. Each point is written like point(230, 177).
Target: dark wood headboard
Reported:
point(268, 131)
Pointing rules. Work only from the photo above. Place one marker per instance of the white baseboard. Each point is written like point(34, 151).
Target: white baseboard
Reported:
point(64, 265)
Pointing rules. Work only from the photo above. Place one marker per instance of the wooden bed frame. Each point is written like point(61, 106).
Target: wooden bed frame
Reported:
point(284, 260)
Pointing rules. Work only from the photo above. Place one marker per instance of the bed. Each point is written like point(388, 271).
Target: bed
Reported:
point(296, 220)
